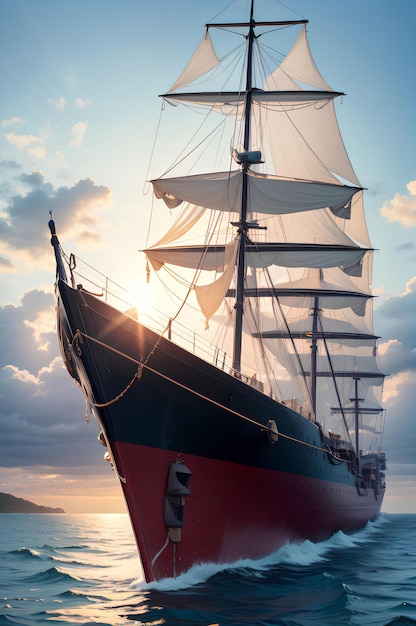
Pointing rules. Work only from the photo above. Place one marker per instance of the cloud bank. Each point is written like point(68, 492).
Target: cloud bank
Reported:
point(23, 236)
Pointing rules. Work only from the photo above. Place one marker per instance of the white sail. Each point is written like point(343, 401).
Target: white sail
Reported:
point(185, 221)
point(203, 60)
point(267, 194)
point(232, 102)
point(299, 65)
point(212, 258)
point(212, 295)
point(291, 206)
point(301, 293)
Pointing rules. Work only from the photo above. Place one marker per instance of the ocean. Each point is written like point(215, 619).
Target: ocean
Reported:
point(84, 569)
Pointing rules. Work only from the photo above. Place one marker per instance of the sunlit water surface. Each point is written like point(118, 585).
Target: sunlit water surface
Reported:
point(84, 569)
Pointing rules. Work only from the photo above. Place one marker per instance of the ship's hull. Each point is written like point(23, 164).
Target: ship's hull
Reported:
point(241, 493)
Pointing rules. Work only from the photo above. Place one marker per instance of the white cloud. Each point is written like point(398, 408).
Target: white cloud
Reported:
point(379, 291)
point(402, 208)
point(24, 375)
point(392, 387)
point(397, 357)
point(410, 286)
point(81, 103)
point(42, 326)
point(21, 141)
point(395, 323)
point(38, 152)
point(12, 121)
point(78, 131)
point(59, 103)
point(412, 187)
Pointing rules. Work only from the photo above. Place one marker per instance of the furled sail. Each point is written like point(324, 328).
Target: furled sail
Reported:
point(266, 193)
point(260, 255)
point(301, 294)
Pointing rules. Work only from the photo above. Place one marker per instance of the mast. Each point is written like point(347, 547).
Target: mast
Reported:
point(243, 229)
point(243, 224)
point(356, 400)
point(314, 350)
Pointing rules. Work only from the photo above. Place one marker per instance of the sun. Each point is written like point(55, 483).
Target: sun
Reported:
point(141, 297)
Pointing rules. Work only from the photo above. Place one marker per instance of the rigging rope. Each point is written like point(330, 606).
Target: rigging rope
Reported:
point(79, 336)
point(292, 340)
point(335, 383)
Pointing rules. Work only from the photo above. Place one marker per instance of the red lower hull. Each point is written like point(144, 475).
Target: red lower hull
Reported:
point(233, 512)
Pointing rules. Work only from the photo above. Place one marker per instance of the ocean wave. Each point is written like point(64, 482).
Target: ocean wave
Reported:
point(77, 546)
point(406, 606)
point(75, 563)
point(69, 593)
point(301, 554)
point(5, 618)
point(26, 553)
point(51, 575)
point(401, 621)
point(367, 577)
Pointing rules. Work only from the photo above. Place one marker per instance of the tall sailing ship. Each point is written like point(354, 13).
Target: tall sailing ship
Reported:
point(267, 429)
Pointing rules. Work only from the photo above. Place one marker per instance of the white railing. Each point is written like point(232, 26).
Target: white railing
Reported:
point(103, 287)
point(93, 281)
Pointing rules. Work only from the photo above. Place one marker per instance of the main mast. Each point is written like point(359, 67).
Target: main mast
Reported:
point(246, 162)
point(243, 229)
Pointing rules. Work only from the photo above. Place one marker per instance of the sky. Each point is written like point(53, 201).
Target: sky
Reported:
point(78, 114)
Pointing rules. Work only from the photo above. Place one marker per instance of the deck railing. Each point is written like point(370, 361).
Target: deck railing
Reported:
point(114, 294)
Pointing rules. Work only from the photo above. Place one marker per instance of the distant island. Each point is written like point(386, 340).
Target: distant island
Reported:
point(10, 504)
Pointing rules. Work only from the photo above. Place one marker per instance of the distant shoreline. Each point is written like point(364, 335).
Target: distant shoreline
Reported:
point(11, 504)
